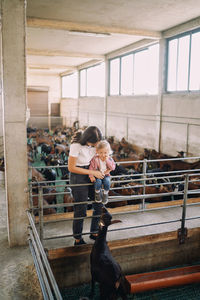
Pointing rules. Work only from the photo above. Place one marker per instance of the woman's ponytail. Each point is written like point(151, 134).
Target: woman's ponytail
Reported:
point(77, 137)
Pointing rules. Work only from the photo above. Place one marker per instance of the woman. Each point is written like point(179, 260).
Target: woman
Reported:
point(82, 150)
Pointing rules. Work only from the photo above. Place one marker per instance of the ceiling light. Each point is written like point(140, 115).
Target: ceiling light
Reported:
point(87, 33)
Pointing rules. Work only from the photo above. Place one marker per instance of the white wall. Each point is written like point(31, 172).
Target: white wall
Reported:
point(69, 111)
point(138, 120)
point(51, 81)
point(181, 123)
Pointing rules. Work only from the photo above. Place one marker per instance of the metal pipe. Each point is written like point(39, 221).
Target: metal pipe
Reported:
point(42, 270)
point(182, 232)
point(45, 260)
point(40, 206)
point(42, 285)
point(144, 181)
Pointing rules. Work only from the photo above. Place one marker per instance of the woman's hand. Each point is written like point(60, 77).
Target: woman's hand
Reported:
point(92, 179)
point(98, 174)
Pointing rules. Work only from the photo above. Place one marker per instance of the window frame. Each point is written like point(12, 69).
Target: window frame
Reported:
point(67, 75)
point(133, 52)
point(86, 80)
point(177, 37)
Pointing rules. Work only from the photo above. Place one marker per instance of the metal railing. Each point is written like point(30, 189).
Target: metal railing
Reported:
point(46, 278)
point(141, 181)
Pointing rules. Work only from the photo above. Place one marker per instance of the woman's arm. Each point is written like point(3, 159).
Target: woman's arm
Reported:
point(74, 169)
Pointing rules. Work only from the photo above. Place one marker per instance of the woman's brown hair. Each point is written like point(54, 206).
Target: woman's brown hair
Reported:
point(90, 135)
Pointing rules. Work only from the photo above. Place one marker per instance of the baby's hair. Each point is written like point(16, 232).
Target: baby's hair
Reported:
point(104, 144)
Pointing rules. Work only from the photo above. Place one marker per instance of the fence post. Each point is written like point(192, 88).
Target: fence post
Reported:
point(182, 232)
point(40, 206)
point(144, 181)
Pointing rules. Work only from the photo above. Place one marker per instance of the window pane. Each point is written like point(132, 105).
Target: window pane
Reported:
point(83, 83)
point(140, 72)
point(152, 69)
point(70, 86)
point(172, 59)
point(183, 63)
point(114, 77)
point(127, 75)
point(96, 81)
point(195, 62)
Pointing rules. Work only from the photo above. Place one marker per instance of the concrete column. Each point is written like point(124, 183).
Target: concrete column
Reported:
point(161, 90)
point(14, 117)
point(106, 98)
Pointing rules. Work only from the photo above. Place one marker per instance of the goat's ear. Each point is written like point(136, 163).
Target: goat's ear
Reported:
point(115, 221)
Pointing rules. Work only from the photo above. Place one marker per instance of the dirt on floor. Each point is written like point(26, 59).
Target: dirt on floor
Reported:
point(18, 277)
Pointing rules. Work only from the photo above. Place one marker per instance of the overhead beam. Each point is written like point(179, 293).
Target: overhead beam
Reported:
point(46, 52)
point(71, 26)
point(51, 66)
point(190, 25)
point(134, 46)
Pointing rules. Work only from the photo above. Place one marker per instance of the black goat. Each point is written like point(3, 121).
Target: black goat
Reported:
point(104, 269)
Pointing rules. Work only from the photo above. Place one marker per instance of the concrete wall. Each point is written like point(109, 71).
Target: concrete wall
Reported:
point(1, 128)
point(50, 81)
point(138, 119)
point(71, 266)
point(1, 112)
point(69, 111)
point(181, 123)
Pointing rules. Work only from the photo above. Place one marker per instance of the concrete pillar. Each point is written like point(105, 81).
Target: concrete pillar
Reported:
point(14, 117)
point(106, 98)
point(161, 90)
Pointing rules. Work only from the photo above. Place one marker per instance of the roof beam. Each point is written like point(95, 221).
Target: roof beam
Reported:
point(190, 25)
point(51, 66)
point(80, 27)
point(46, 52)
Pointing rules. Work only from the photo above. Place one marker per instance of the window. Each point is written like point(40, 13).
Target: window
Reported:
point(114, 76)
point(83, 83)
point(70, 86)
point(92, 81)
point(135, 73)
point(127, 75)
point(184, 62)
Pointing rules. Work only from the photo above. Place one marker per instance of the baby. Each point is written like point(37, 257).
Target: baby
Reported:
point(104, 163)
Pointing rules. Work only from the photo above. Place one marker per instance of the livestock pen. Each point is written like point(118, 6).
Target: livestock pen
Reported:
point(148, 227)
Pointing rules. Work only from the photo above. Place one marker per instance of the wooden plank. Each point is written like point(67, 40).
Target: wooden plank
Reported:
point(119, 244)
point(128, 208)
point(161, 279)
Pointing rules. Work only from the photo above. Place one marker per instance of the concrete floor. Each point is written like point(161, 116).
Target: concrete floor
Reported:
point(128, 220)
point(18, 279)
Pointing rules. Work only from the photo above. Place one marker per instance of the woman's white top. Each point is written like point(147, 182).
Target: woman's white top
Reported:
point(83, 153)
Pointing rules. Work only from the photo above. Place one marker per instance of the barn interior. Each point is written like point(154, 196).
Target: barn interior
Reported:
point(132, 68)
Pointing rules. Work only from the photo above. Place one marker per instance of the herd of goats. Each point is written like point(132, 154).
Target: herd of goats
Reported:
point(138, 172)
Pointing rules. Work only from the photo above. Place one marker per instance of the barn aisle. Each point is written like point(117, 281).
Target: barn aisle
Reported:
point(18, 279)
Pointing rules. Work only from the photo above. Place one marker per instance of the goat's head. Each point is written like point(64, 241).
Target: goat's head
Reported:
point(106, 218)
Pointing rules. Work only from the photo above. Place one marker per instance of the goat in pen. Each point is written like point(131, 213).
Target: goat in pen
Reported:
point(104, 269)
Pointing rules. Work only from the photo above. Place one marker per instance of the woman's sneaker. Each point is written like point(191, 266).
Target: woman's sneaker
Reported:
point(81, 242)
point(105, 198)
point(98, 197)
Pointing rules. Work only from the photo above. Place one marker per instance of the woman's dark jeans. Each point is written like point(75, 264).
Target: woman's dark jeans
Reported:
point(81, 194)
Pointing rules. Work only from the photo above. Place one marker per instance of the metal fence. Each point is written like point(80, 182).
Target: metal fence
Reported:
point(143, 180)
point(46, 278)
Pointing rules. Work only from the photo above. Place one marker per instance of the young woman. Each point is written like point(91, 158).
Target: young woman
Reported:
point(82, 150)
